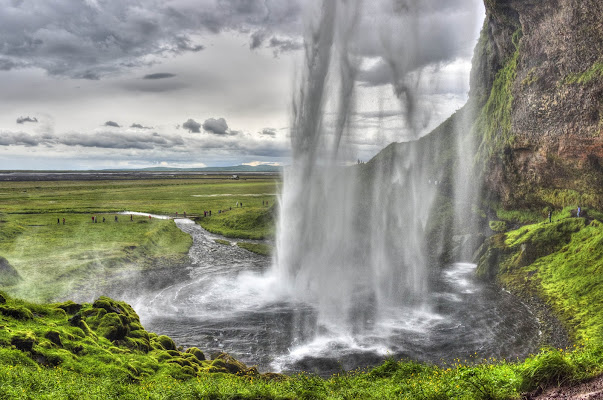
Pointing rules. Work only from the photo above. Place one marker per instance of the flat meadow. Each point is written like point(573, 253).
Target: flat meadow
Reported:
point(54, 258)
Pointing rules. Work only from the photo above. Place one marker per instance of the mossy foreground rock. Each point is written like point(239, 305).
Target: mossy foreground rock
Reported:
point(104, 338)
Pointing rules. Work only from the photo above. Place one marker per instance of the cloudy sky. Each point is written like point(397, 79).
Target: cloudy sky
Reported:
point(92, 84)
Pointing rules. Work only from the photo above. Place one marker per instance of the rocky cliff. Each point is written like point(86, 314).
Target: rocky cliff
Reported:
point(533, 122)
point(538, 82)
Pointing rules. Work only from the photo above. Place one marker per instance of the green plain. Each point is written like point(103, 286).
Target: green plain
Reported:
point(54, 259)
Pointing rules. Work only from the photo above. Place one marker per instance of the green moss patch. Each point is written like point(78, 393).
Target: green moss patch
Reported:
point(497, 226)
point(244, 223)
point(257, 248)
point(561, 262)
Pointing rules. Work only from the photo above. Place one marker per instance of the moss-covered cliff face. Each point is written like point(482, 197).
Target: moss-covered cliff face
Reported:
point(538, 71)
point(535, 112)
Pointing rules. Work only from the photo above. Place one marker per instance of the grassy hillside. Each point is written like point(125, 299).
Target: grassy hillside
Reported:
point(561, 262)
point(100, 351)
point(248, 222)
point(53, 259)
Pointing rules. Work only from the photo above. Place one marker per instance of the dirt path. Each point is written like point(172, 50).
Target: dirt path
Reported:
point(591, 390)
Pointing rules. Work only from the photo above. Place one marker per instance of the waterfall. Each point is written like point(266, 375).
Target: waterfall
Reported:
point(352, 240)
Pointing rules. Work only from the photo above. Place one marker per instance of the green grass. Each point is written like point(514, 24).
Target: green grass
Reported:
point(112, 356)
point(53, 259)
point(107, 354)
point(561, 262)
point(157, 196)
point(257, 248)
point(222, 241)
point(244, 223)
point(520, 216)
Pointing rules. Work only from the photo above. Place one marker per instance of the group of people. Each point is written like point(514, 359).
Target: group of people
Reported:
point(238, 204)
point(95, 219)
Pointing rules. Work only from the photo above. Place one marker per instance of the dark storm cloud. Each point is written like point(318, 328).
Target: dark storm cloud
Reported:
point(216, 126)
point(192, 126)
point(113, 124)
point(257, 39)
point(120, 140)
point(183, 43)
point(7, 65)
point(284, 45)
point(159, 75)
point(22, 120)
point(139, 126)
point(268, 132)
point(18, 139)
point(103, 139)
point(90, 40)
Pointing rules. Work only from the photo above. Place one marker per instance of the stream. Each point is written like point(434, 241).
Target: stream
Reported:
point(228, 300)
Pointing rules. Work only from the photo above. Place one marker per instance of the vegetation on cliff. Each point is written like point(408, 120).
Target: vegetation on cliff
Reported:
point(561, 262)
point(493, 124)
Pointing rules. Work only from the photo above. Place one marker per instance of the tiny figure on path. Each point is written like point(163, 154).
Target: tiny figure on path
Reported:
point(550, 216)
point(579, 209)
point(176, 214)
point(58, 221)
point(93, 219)
point(185, 214)
point(116, 218)
point(131, 217)
point(150, 218)
point(103, 220)
point(237, 204)
point(241, 204)
point(210, 213)
point(63, 221)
